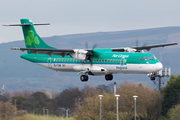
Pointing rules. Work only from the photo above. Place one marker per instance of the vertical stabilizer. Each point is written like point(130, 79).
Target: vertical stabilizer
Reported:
point(32, 39)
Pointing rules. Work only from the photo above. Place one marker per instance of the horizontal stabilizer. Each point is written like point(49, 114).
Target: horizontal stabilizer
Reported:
point(27, 24)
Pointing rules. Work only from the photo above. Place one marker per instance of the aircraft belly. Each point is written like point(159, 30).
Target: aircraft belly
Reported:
point(128, 68)
point(58, 66)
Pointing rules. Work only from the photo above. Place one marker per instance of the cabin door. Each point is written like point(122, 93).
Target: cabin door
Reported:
point(49, 62)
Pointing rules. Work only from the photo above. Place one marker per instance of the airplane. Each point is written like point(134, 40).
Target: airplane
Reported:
point(93, 61)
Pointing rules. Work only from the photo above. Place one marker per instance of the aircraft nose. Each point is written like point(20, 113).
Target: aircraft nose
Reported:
point(159, 66)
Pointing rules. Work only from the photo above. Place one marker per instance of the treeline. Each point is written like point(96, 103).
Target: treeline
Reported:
point(84, 104)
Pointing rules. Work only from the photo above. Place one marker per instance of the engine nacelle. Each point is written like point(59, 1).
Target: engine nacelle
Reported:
point(128, 49)
point(79, 54)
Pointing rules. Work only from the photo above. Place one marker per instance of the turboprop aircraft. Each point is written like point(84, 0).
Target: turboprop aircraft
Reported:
point(88, 61)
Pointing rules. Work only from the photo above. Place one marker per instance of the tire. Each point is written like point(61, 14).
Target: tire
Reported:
point(109, 77)
point(84, 78)
point(152, 78)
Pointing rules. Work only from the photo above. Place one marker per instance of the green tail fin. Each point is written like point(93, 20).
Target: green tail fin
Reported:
point(32, 39)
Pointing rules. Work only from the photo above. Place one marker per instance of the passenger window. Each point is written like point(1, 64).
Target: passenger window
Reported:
point(102, 60)
point(70, 59)
point(111, 60)
point(99, 60)
point(116, 60)
point(62, 59)
point(59, 59)
point(93, 60)
point(108, 60)
point(96, 60)
point(141, 58)
point(124, 61)
point(67, 59)
point(76, 60)
point(54, 59)
point(73, 59)
point(145, 58)
point(119, 61)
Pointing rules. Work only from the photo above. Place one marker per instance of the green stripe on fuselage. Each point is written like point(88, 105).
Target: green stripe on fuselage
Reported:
point(100, 56)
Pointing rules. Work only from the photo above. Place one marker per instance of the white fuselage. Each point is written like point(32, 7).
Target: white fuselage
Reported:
point(102, 69)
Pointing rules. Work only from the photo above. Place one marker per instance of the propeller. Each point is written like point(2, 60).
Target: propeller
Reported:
point(89, 53)
point(145, 44)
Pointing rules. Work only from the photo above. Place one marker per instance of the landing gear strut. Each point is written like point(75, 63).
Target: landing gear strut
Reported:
point(109, 77)
point(84, 78)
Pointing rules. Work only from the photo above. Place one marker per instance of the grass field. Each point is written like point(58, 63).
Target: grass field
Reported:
point(40, 117)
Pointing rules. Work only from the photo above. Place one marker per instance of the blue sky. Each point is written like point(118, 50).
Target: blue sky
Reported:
point(85, 16)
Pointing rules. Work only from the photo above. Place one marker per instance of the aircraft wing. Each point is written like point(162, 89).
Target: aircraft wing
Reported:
point(148, 47)
point(50, 52)
point(64, 52)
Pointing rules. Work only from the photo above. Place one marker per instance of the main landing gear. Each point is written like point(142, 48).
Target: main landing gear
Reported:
point(84, 78)
point(109, 77)
point(152, 78)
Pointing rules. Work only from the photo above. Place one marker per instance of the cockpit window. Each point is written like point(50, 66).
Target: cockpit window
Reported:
point(151, 58)
point(148, 58)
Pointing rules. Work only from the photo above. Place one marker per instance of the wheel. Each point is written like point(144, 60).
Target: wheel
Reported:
point(152, 78)
point(84, 78)
point(109, 77)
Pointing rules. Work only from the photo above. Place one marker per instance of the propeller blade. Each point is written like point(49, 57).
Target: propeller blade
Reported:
point(137, 40)
point(86, 44)
point(89, 54)
point(145, 44)
point(94, 46)
point(90, 61)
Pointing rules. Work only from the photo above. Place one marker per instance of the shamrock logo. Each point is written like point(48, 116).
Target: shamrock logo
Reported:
point(31, 39)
